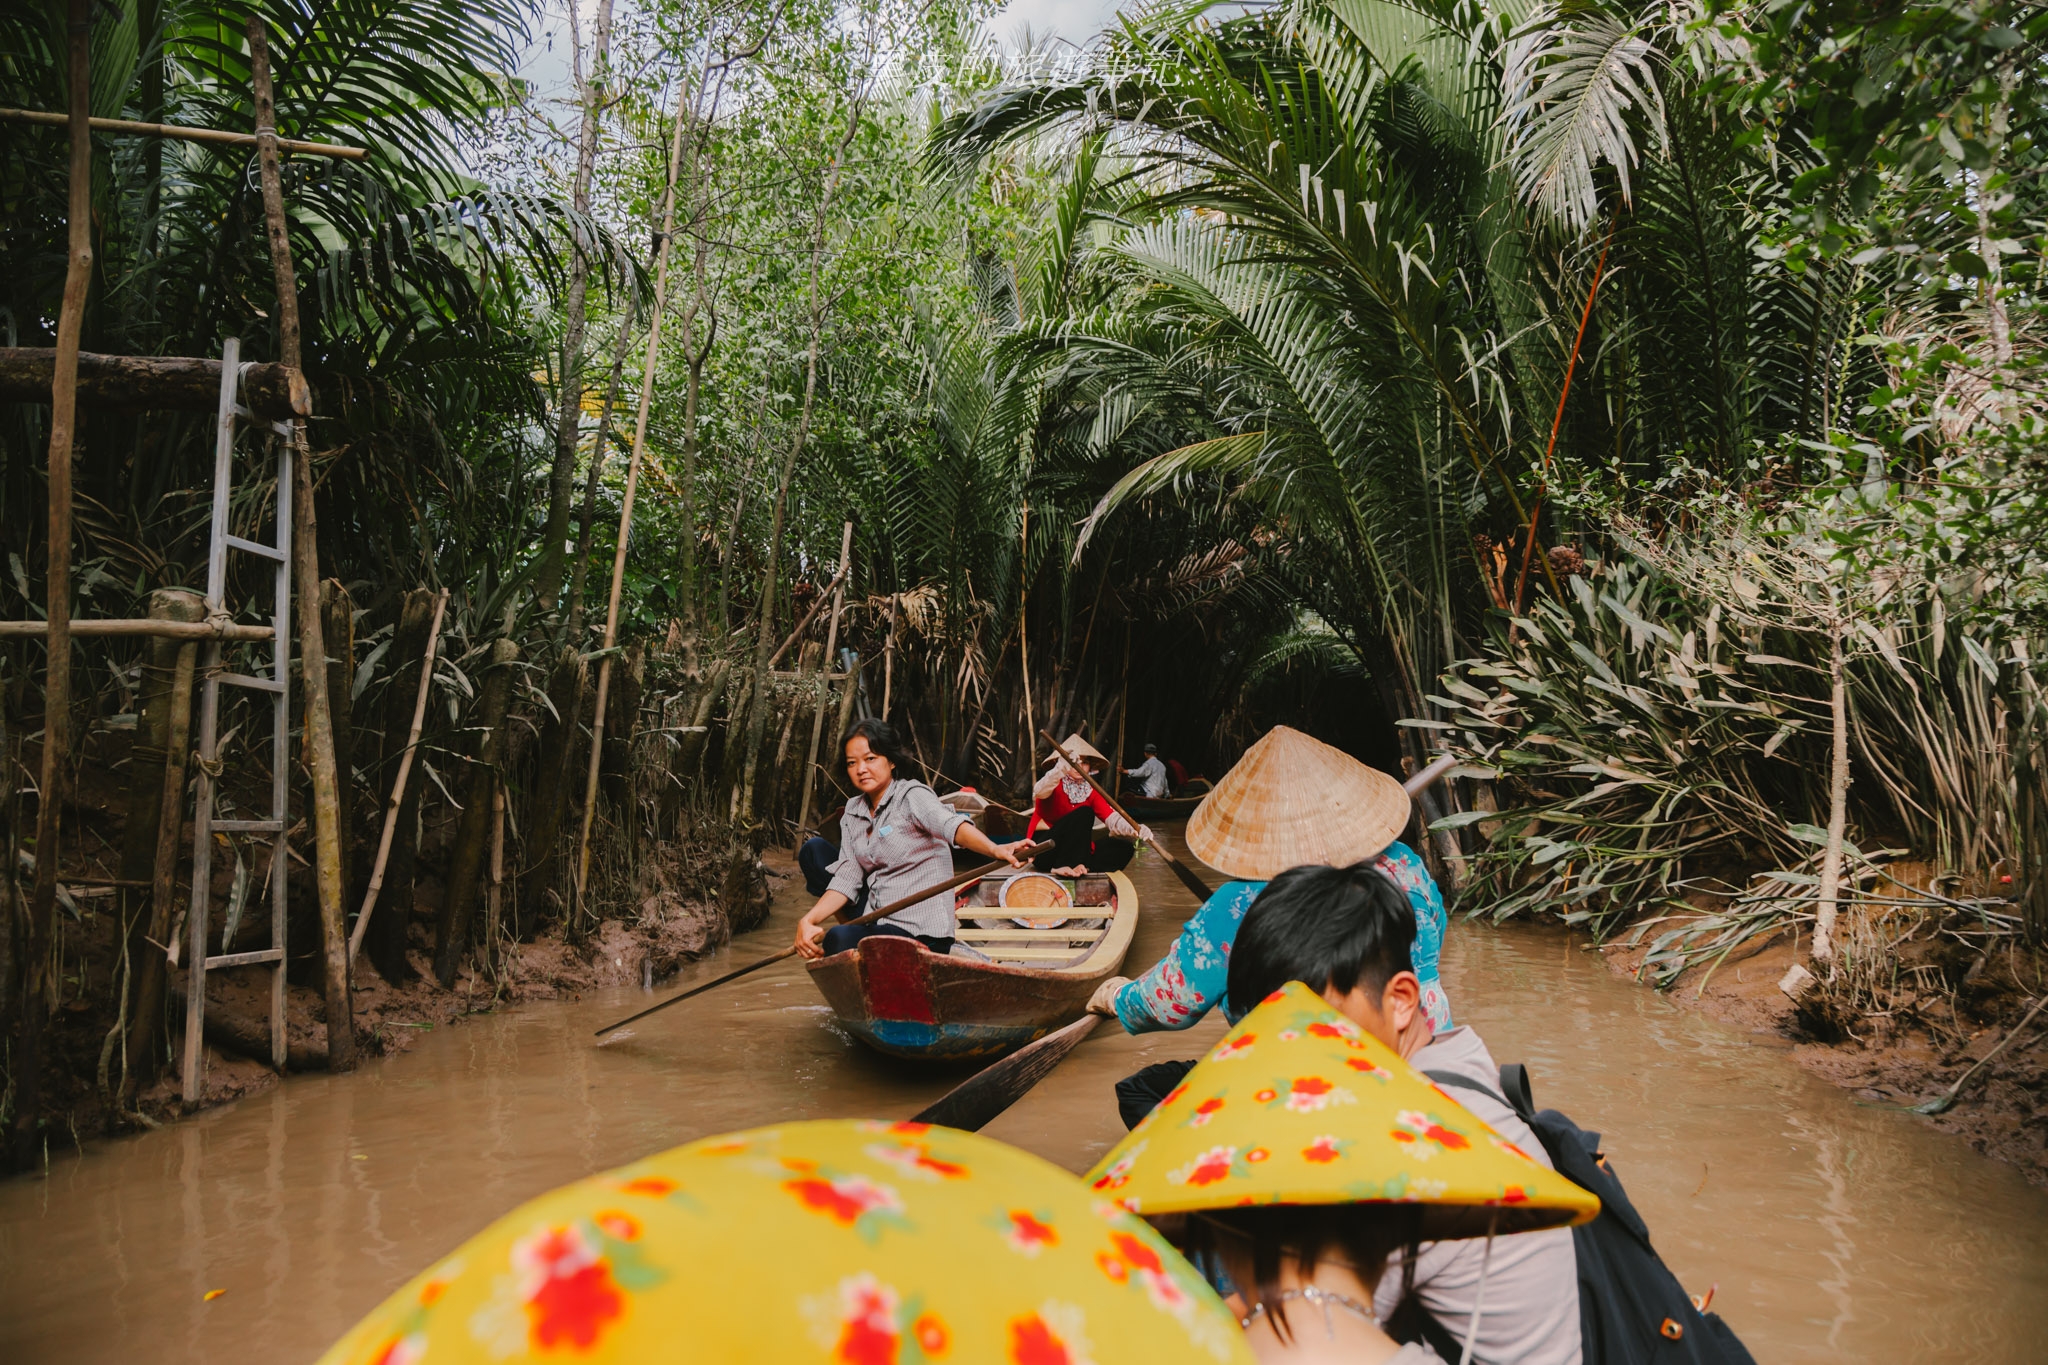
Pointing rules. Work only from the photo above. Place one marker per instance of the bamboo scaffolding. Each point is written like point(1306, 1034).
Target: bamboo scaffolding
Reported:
point(219, 136)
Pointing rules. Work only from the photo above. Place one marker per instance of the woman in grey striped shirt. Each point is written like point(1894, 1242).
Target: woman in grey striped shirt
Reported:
point(895, 838)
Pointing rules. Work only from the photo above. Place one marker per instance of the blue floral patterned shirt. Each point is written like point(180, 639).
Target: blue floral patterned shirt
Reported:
point(1191, 978)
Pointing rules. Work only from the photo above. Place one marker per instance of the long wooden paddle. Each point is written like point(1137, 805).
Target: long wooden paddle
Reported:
point(988, 1092)
point(1180, 869)
point(958, 879)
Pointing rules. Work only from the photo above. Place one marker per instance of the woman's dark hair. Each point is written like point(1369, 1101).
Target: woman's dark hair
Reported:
point(1324, 927)
point(1360, 1236)
point(882, 739)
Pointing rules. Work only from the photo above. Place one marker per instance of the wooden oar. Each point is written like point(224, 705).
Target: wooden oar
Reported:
point(959, 879)
point(988, 1092)
point(1180, 869)
point(978, 1099)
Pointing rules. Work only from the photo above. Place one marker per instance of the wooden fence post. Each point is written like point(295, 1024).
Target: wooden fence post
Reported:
point(157, 823)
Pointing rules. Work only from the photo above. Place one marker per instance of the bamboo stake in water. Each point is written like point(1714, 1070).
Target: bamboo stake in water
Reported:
point(611, 616)
point(412, 744)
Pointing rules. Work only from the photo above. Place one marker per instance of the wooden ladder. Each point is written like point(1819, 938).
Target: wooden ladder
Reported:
point(278, 685)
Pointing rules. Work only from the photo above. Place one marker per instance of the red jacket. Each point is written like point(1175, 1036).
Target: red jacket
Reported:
point(1059, 804)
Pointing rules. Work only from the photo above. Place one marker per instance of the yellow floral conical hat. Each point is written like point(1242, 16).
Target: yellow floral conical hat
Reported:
point(826, 1241)
point(1299, 1105)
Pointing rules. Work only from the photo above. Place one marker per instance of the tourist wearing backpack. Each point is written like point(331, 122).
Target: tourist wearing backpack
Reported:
point(1347, 933)
point(1597, 1293)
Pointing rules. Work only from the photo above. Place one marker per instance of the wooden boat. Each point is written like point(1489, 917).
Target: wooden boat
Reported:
point(992, 818)
point(1011, 985)
point(1167, 807)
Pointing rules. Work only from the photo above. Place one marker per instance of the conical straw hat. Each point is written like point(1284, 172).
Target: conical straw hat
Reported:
point(1299, 1105)
point(1079, 748)
point(1293, 800)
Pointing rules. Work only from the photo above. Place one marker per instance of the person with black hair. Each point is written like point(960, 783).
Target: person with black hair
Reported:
point(895, 838)
point(1347, 933)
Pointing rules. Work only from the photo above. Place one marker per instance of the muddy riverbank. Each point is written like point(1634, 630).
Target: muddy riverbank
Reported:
point(1905, 1055)
point(1835, 1231)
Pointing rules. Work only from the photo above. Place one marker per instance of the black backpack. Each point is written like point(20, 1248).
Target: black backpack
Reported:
point(1632, 1310)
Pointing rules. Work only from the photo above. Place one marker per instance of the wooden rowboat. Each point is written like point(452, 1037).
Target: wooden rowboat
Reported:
point(1162, 807)
point(1012, 985)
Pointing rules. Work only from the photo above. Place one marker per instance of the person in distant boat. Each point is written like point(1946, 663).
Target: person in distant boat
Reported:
point(1252, 827)
point(1065, 808)
point(1151, 773)
point(895, 838)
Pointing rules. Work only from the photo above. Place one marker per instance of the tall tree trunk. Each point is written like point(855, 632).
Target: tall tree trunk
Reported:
point(580, 571)
point(611, 619)
point(327, 874)
point(569, 409)
point(472, 833)
point(37, 995)
point(765, 619)
point(339, 627)
point(389, 934)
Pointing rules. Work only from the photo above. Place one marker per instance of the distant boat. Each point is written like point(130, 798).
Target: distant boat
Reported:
point(1168, 807)
point(1010, 986)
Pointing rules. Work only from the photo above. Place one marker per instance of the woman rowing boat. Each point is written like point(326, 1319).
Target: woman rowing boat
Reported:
point(1066, 806)
point(1291, 800)
point(895, 837)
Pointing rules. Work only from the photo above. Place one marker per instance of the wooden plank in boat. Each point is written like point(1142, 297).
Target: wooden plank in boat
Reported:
point(1063, 935)
point(1036, 954)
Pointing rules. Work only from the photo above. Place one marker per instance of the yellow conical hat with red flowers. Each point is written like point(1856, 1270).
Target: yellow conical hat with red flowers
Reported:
point(834, 1241)
point(1299, 1105)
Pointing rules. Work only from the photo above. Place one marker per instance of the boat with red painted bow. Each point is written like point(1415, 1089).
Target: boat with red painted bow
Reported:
point(1002, 986)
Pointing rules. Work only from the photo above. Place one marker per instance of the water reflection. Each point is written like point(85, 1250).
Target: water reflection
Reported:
point(1835, 1232)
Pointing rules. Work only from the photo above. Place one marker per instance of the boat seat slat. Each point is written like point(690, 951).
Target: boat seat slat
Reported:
point(1061, 935)
point(1036, 954)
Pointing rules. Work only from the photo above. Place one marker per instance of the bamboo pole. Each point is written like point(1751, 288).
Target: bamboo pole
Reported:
point(803, 813)
point(327, 875)
point(611, 616)
point(221, 629)
point(36, 976)
point(1024, 639)
point(889, 657)
point(182, 134)
point(412, 744)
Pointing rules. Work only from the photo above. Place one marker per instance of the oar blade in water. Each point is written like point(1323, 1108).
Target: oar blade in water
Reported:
point(977, 1100)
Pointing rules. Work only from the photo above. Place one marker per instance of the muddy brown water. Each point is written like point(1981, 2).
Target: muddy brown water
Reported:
point(1835, 1232)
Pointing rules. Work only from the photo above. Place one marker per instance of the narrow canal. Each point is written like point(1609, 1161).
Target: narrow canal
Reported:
point(1835, 1232)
